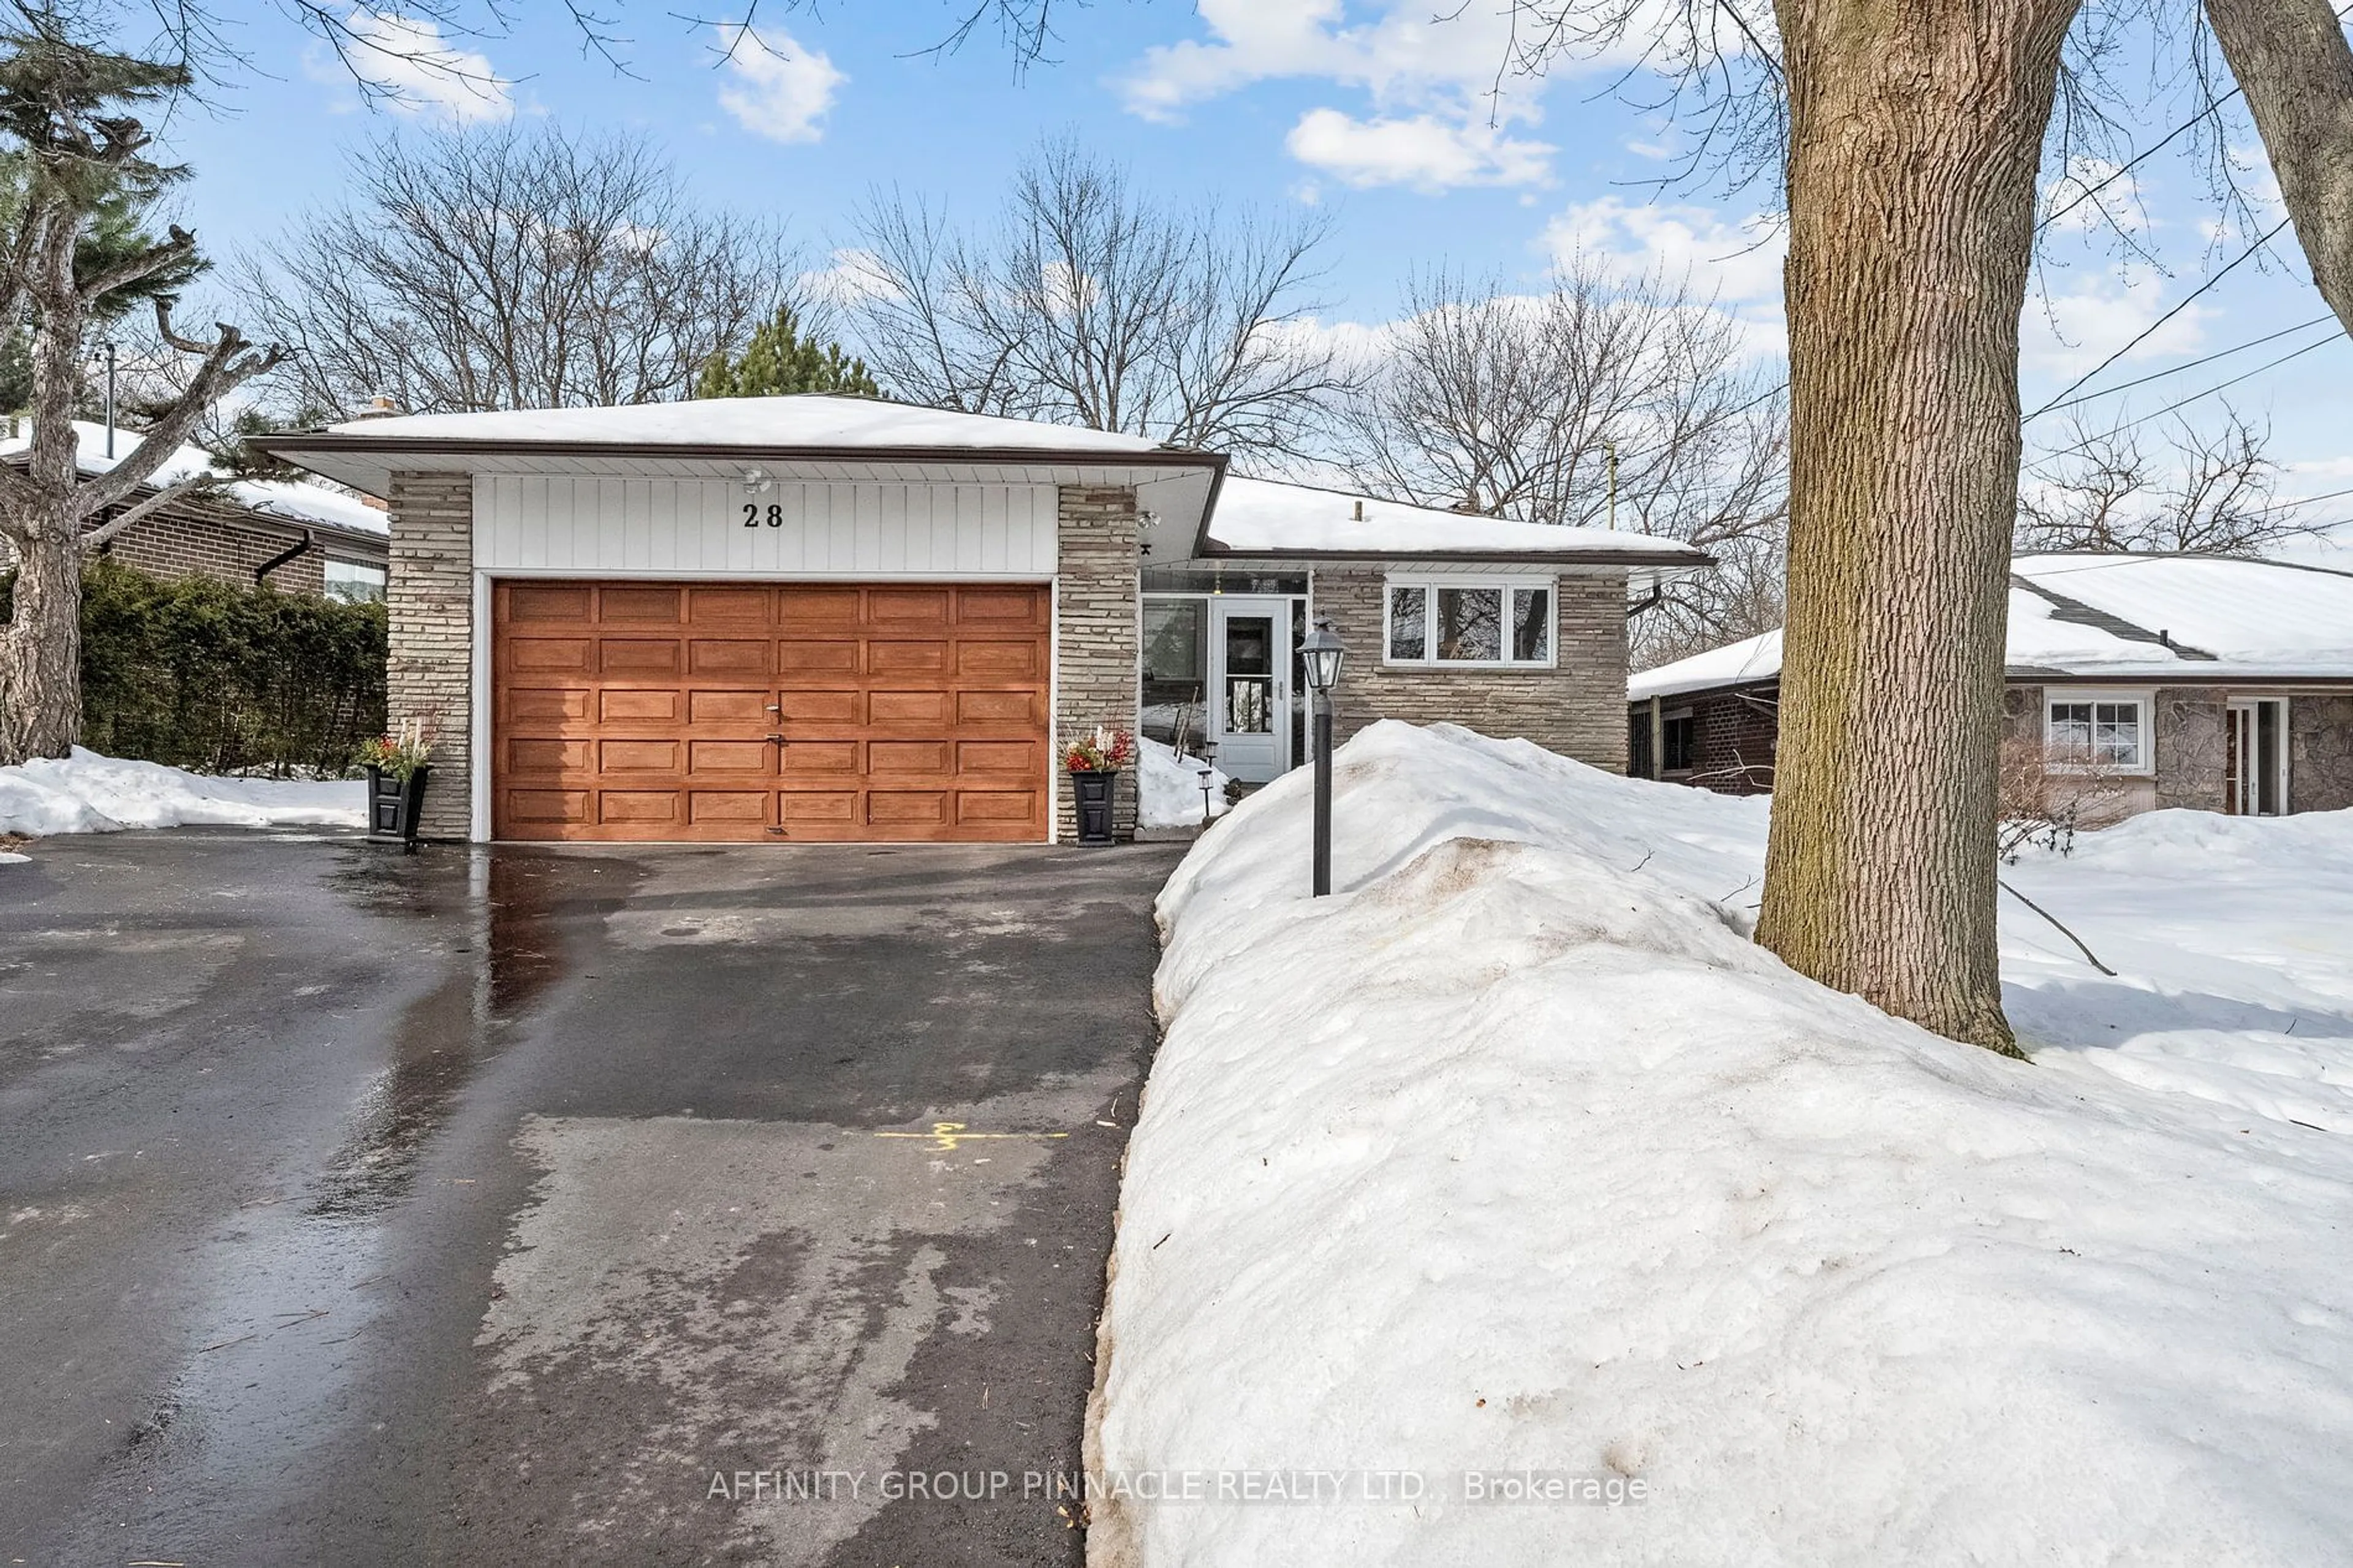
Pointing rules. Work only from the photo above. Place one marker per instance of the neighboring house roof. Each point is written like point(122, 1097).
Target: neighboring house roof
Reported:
point(1268, 519)
point(2128, 617)
point(300, 501)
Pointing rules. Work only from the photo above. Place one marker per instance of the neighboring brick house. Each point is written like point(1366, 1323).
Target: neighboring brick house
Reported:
point(831, 619)
point(2176, 680)
point(293, 534)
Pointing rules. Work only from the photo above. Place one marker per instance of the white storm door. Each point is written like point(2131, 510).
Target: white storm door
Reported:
point(1249, 686)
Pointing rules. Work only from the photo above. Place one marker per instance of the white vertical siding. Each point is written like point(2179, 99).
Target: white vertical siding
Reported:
point(695, 528)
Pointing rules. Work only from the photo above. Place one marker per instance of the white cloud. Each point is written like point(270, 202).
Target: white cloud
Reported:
point(778, 89)
point(1421, 151)
point(2064, 335)
point(416, 68)
point(1738, 260)
point(850, 277)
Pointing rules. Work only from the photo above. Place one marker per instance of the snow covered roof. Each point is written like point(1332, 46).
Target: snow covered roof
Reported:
point(2146, 617)
point(1265, 518)
point(816, 420)
point(302, 500)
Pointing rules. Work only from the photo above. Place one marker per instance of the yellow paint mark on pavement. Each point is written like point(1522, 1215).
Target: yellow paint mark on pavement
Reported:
point(947, 1135)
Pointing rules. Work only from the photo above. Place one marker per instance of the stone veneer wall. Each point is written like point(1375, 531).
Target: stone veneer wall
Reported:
point(1098, 636)
point(431, 600)
point(1576, 708)
point(2320, 753)
point(2193, 759)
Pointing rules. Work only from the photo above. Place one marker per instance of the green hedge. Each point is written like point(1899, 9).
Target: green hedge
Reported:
point(220, 679)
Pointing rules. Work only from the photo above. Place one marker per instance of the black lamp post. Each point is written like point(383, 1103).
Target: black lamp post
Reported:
point(1322, 654)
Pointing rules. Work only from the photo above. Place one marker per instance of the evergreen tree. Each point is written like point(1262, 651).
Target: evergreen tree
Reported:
point(779, 360)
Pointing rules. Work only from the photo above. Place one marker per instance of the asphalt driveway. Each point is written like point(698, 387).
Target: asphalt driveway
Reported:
point(514, 1206)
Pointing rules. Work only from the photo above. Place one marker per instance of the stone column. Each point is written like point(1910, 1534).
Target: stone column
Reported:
point(429, 600)
point(1098, 636)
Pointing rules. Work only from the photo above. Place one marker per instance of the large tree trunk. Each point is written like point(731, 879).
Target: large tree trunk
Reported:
point(40, 651)
point(2296, 69)
point(1916, 131)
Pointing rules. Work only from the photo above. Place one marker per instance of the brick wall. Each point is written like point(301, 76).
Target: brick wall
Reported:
point(1098, 635)
point(2320, 753)
point(1578, 708)
point(430, 598)
point(227, 545)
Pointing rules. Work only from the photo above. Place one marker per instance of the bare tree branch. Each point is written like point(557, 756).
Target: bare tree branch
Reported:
point(182, 489)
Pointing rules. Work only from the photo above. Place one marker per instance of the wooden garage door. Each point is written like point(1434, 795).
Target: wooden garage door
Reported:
point(747, 711)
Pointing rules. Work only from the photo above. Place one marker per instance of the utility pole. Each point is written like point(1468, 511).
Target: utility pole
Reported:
point(1610, 454)
point(109, 398)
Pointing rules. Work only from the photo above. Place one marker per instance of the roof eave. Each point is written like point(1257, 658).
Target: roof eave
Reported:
point(289, 445)
point(1212, 550)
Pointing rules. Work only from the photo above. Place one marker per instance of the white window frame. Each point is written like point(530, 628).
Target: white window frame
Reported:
point(1432, 584)
point(2145, 766)
point(1666, 717)
point(329, 583)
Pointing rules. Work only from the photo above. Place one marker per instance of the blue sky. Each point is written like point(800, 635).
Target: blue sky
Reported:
point(1367, 107)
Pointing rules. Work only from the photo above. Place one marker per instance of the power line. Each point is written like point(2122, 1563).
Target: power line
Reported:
point(2187, 301)
point(2187, 364)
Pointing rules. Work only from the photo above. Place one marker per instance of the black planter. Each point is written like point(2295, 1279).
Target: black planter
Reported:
point(1095, 791)
point(394, 804)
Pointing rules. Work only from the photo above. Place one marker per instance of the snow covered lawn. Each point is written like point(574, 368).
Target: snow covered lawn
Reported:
point(1517, 1166)
point(90, 794)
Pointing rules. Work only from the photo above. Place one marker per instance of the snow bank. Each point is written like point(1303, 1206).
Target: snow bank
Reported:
point(1519, 1156)
point(1169, 788)
point(90, 794)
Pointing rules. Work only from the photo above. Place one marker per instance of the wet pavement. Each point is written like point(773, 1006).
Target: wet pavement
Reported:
point(525, 1207)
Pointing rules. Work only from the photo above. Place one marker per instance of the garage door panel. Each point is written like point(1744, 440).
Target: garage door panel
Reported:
point(929, 707)
point(1000, 609)
point(637, 757)
point(897, 606)
point(567, 605)
point(832, 759)
point(547, 806)
point(999, 660)
point(1026, 710)
point(902, 658)
point(638, 707)
point(624, 606)
point(837, 806)
point(639, 657)
point(923, 758)
point(727, 808)
point(818, 607)
point(550, 655)
point(725, 705)
point(635, 805)
point(907, 807)
point(837, 706)
point(805, 656)
point(729, 606)
point(544, 705)
point(552, 756)
point(730, 757)
point(642, 711)
point(744, 657)
point(997, 806)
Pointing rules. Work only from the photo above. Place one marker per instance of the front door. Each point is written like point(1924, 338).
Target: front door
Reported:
point(2255, 771)
point(1250, 685)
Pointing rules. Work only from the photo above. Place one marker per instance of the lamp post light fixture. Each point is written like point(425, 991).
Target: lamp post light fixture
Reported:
point(1322, 654)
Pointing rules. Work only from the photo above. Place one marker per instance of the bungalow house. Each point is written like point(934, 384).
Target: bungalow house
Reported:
point(292, 534)
point(828, 618)
point(2203, 681)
